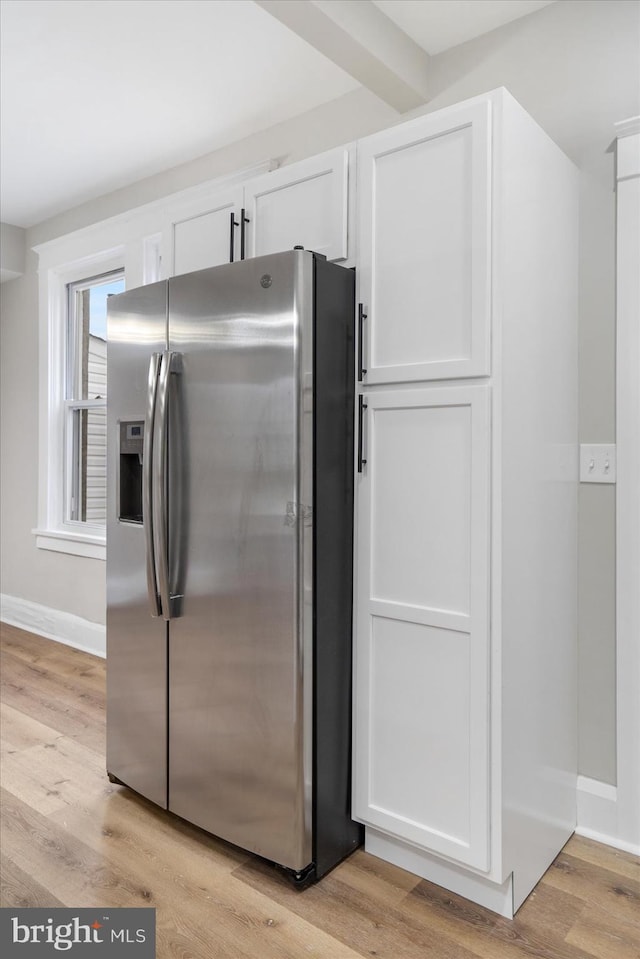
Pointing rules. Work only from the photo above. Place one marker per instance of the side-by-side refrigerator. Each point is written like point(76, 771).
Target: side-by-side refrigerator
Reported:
point(229, 553)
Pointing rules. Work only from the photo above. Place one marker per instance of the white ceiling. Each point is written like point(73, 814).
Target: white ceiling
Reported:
point(437, 25)
point(97, 94)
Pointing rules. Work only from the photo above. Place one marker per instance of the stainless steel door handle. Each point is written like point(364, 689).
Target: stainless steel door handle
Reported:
point(147, 485)
point(160, 489)
point(170, 363)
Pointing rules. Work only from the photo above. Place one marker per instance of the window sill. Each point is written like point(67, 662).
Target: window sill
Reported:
point(76, 543)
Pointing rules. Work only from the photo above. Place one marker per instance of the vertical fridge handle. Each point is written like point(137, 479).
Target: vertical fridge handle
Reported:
point(170, 363)
point(147, 484)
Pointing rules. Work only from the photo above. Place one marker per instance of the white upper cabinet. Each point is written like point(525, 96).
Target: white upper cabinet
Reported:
point(304, 204)
point(202, 236)
point(424, 247)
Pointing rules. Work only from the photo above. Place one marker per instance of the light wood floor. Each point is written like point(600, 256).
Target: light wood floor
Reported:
point(69, 837)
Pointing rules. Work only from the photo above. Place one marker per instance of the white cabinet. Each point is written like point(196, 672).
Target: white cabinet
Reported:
point(465, 605)
point(303, 204)
point(202, 235)
point(424, 242)
point(422, 697)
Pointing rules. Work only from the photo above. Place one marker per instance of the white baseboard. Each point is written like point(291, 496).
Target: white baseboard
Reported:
point(54, 624)
point(598, 815)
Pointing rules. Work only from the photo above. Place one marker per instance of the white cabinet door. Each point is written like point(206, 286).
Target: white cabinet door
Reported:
point(422, 640)
point(304, 204)
point(424, 247)
point(202, 236)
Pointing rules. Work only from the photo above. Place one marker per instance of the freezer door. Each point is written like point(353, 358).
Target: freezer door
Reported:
point(136, 642)
point(240, 656)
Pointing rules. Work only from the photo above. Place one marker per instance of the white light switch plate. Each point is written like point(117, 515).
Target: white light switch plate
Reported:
point(597, 463)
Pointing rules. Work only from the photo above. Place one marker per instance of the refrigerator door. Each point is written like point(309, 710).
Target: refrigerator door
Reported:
point(136, 641)
point(240, 646)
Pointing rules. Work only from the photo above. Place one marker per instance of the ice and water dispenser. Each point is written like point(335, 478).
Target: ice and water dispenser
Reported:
point(130, 456)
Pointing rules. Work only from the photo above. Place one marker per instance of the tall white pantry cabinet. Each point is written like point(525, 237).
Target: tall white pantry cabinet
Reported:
point(466, 504)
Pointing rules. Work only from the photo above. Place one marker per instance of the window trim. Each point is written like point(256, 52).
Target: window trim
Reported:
point(54, 531)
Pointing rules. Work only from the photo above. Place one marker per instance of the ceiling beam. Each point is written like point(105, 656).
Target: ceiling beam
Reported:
point(365, 43)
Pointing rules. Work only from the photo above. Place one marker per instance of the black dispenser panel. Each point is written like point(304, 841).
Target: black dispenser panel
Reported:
point(130, 498)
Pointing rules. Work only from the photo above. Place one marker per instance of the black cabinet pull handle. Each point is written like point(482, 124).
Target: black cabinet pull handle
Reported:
point(362, 406)
point(243, 219)
point(361, 318)
point(233, 225)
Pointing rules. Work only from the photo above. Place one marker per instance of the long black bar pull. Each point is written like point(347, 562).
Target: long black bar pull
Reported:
point(243, 219)
point(362, 406)
point(361, 318)
point(234, 224)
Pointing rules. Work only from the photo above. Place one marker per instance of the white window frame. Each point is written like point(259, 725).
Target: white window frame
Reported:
point(74, 403)
point(54, 531)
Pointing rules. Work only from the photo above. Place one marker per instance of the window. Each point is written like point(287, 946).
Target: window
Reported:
point(74, 291)
point(85, 460)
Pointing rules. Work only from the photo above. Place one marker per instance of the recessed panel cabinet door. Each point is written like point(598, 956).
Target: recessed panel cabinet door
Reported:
point(422, 641)
point(203, 236)
point(304, 204)
point(424, 247)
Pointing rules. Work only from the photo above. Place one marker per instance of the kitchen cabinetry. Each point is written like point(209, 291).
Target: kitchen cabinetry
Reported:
point(465, 607)
point(424, 244)
point(202, 235)
point(423, 643)
point(302, 204)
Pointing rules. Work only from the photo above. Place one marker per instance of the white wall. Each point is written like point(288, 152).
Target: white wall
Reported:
point(12, 251)
point(574, 66)
point(51, 579)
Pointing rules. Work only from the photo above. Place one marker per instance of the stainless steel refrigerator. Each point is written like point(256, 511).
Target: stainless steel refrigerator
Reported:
point(229, 553)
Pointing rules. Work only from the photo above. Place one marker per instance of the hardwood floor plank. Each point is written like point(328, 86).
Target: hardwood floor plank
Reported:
point(377, 879)
point(55, 775)
point(21, 891)
point(535, 931)
point(87, 669)
point(135, 828)
point(366, 926)
point(615, 860)
point(81, 673)
point(19, 731)
point(194, 867)
point(552, 909)
point(84, 878)
point(68, 684)
point(28, 689)
point(56, 859)
point(244, 921)
point(596, 886)
point(70, 837)
point(603, 937)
